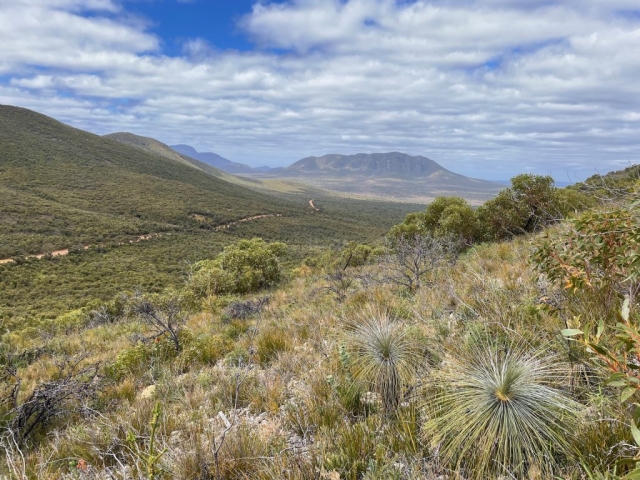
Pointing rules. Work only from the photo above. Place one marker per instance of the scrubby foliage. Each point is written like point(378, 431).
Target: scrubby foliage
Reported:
point(444, 217)
point(465, 374)
point(529, 204)
point(598, 252)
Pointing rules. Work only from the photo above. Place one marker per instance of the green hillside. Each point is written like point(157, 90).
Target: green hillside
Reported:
point(60, 186)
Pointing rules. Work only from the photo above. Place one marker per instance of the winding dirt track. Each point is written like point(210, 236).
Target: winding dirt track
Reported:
point(65, 252)
point(142, 238)
point(248, 219)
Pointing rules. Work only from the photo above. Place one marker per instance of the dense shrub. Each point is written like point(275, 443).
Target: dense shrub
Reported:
point(444, 217)
point(244, 267)
point(529, 204)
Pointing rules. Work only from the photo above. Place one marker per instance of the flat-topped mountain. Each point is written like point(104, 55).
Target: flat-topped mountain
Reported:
point(392, 175)
point(213, 159)
point(392, 164)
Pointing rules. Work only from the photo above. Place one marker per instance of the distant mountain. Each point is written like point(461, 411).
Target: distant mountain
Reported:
point(213, 159)
point(392, 175)
point(393, 164)
point(266, 168)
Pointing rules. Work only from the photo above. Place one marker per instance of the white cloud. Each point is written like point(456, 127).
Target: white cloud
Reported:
point(484, 87)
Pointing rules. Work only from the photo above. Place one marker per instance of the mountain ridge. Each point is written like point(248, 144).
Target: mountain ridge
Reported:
point(213, 159)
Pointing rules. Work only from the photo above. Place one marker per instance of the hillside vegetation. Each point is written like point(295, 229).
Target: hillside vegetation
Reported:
point(505, 350)
point(60, 187)
point(63, 188)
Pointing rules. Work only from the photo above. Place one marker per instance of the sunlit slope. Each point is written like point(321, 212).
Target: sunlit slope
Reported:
point(60, 185)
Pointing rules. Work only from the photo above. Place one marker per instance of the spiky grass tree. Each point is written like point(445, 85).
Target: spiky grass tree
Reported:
point(498, 411)
point(383, 357)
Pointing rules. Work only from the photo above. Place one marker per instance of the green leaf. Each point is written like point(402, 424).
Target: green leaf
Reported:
point(626, 393)
point(599, 349)
point(633, 475)
point(600, 329)
point(624, 313)
point(636, 433)
point(618, 383)
point(571, 332)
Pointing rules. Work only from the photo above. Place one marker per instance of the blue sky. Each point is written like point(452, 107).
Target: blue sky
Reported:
point(213, 20)
point(488, 88)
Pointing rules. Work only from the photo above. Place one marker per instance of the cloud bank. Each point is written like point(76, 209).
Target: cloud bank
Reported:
point(487, 88)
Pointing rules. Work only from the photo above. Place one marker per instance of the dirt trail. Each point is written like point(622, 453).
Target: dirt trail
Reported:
point(313, 206)
point(142, 238)
point(65, 252)
point(248, 219)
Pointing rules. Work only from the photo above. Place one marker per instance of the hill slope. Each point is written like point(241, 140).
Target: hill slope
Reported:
point(60, 186)
point(150, 145)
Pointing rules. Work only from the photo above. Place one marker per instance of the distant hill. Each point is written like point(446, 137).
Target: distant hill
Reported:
point(392, 175)
point(266, 168)
point(213, 159)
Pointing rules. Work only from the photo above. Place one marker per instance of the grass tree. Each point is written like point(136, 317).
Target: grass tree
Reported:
point(497, 411)
point(384, 357)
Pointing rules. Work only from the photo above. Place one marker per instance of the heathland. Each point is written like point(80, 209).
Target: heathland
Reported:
point(199, 326)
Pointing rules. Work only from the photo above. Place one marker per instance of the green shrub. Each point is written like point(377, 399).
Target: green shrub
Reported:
point(597, 252)
point(244, 267)
point(444, 217)
point(139, 358)
point(528, 205)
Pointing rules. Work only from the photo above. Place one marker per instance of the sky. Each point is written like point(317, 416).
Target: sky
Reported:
point(487, 88)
